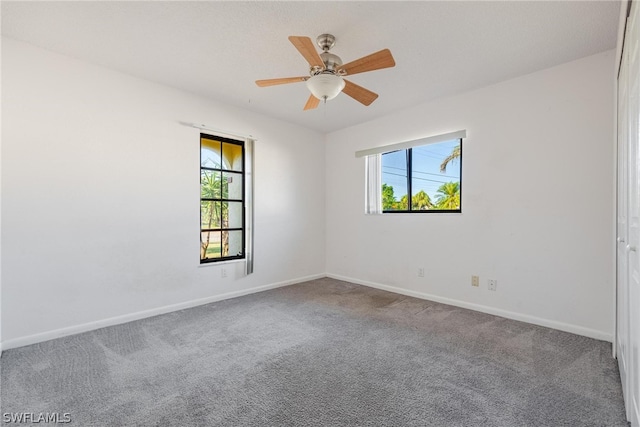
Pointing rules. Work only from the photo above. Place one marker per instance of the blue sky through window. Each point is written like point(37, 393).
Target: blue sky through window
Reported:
point(426, 169)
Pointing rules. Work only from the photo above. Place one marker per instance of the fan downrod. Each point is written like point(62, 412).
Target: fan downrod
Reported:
point(326, 41)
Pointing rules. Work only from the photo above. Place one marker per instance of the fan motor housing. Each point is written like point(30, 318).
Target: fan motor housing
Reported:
point(331, 61)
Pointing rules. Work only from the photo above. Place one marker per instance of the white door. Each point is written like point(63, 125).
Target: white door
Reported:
point(633, 221)
point(622, 312)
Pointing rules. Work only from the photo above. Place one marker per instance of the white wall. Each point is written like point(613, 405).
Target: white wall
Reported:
point(100, 197)
point(0, 211)
point(536, 199)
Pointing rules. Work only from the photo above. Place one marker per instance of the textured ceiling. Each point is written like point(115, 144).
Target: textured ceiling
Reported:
point(218, 49)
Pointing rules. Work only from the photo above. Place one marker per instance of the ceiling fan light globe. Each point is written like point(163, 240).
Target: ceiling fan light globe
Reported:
point(325, 86)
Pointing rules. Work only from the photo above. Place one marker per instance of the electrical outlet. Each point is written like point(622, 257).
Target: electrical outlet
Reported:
point(493, 284)
point(475, 281)
point(421, 272)
point(223, 272)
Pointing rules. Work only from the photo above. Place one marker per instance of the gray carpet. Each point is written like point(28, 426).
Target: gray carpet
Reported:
point(320, 353)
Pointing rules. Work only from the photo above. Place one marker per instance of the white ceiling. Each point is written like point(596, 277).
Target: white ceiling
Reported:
point(219, 49)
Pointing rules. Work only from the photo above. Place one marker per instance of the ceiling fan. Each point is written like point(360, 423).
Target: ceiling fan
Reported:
point(325, 80)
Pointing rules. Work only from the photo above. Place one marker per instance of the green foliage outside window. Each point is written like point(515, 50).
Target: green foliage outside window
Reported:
point(426, 166)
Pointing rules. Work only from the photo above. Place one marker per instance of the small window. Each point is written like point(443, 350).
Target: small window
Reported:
point(425, 178)
point(222, 200)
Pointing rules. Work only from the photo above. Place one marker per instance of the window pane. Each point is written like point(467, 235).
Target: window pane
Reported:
point(233, 214)
point(210, 215)
point(435, 176)
point(210, 153)
point(232, 185)
point(394, 181)
point(210, 184)
point(232, 154)
point(221, 198)
point(210, 244)
point(232, 243)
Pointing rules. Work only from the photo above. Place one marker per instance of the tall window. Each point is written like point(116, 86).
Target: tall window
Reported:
point(222, 202)
point(424, 178)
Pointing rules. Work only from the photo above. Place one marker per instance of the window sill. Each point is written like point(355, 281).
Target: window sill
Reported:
point(227, 262)
point(433, 212)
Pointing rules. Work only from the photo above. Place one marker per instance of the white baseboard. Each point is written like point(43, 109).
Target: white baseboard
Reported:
point(91, 326)
point(86, 327)
point(566, 327)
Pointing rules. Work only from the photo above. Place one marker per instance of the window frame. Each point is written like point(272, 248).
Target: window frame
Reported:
point(409, 164)
point(221, 199)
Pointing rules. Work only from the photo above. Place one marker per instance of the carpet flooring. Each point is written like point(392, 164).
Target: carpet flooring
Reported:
point(319, 353)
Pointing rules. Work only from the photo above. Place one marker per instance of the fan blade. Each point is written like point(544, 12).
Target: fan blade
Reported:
point(375, 61)
point(306, 48)
point(312, 103)
point(360, 94)
point(284, 80)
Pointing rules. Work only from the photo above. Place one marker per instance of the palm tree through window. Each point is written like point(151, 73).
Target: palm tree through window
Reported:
point(424, 178)
point(222, 204)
